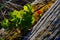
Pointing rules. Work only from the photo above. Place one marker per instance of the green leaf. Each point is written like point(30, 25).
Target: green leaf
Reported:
point(5, 23)
point(26, 8)
point(29, 6)
point(33, 20)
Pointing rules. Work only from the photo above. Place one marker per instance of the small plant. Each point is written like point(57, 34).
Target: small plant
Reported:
point(20, 19)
